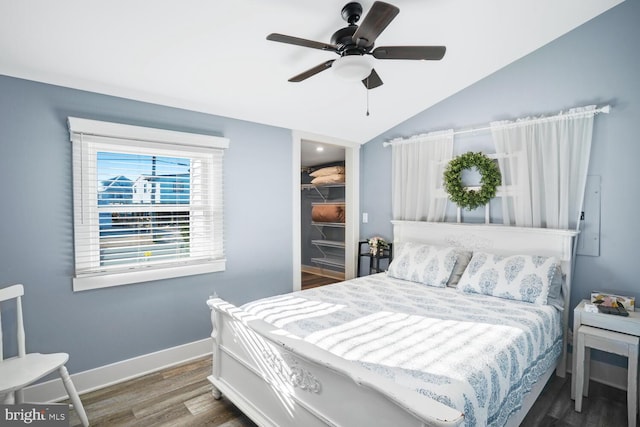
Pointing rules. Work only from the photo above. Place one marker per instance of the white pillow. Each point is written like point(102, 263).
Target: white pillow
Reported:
point(329, 170)
point(517, 277)
point(426, 264)
point(328, 179)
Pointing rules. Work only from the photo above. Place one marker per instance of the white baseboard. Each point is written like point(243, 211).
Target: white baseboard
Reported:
point(103, 376)
point(611, 375)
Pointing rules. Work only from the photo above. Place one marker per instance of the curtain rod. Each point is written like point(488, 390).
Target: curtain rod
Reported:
point(604, 109)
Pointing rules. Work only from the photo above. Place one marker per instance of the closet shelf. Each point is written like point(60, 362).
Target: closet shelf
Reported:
point(318, 187)
point(314, 186)
point(328, 224)
point(329, 202)
point(329, 261)
point(328, 243)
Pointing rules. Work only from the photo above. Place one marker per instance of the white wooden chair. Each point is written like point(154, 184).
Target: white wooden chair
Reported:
point(27, 368)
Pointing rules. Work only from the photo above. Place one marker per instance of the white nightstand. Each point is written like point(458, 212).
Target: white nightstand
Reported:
point(607, 332)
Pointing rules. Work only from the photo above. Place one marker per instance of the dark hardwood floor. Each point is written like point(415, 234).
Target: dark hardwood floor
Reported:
point(181, 396)
point(310, 280)
point(605, 407)
point(177, 396)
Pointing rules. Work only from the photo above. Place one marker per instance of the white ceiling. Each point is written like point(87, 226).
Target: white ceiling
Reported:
point(314, 153)
point(212, 56)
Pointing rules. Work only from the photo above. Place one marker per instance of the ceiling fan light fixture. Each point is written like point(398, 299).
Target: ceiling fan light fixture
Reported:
point(352, 67)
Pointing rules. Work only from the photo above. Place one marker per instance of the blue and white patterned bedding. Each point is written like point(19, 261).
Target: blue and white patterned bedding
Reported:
point(476, 353)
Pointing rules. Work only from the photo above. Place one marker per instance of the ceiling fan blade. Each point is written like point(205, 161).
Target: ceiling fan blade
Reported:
point(301, 42)
point(312, 71)
point(409, 52)
point(379, 16)
point(372, 81)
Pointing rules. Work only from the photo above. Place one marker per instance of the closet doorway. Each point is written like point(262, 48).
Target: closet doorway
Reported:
point(326, 210)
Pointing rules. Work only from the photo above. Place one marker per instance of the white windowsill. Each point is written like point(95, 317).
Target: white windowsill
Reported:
point(97, 281)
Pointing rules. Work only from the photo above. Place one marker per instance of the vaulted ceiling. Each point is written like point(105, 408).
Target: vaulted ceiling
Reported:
point(213, 56)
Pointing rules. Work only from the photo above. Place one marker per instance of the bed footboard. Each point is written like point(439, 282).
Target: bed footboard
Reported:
point(279, 380)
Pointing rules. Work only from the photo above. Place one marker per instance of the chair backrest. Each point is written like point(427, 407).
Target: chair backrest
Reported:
point(14, 292)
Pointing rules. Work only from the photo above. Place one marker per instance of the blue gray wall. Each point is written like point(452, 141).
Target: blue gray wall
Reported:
point(103, 326)
point(597, 63)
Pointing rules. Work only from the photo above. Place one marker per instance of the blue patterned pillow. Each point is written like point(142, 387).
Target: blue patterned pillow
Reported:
point(527, 278)
point(426, 264)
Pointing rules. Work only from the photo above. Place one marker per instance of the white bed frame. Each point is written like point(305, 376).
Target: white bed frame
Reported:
point(278, 380)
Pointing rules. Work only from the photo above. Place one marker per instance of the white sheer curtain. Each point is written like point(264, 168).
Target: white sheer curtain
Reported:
point(545, 161)
point(418, 164)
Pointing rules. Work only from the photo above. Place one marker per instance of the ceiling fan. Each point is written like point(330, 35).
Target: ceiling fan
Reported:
point(353, 42)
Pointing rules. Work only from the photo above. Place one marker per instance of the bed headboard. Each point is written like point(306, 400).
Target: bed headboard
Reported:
point(488, 237)
point(498, 239)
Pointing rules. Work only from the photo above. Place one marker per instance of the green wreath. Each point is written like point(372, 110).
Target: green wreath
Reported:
point(490, 179)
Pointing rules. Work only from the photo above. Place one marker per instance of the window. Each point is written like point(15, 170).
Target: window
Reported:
point(147, 203)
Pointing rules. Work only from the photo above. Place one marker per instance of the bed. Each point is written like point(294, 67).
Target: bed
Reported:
point(388, 350)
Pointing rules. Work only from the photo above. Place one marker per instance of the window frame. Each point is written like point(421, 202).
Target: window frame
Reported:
point(85, 136)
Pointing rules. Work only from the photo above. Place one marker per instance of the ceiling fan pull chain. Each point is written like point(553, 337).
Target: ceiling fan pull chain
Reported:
point(367, 90)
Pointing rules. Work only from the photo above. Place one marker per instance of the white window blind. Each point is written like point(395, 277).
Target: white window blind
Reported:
point(148, 203)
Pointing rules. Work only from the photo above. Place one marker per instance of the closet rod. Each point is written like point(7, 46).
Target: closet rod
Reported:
point(604, 109)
